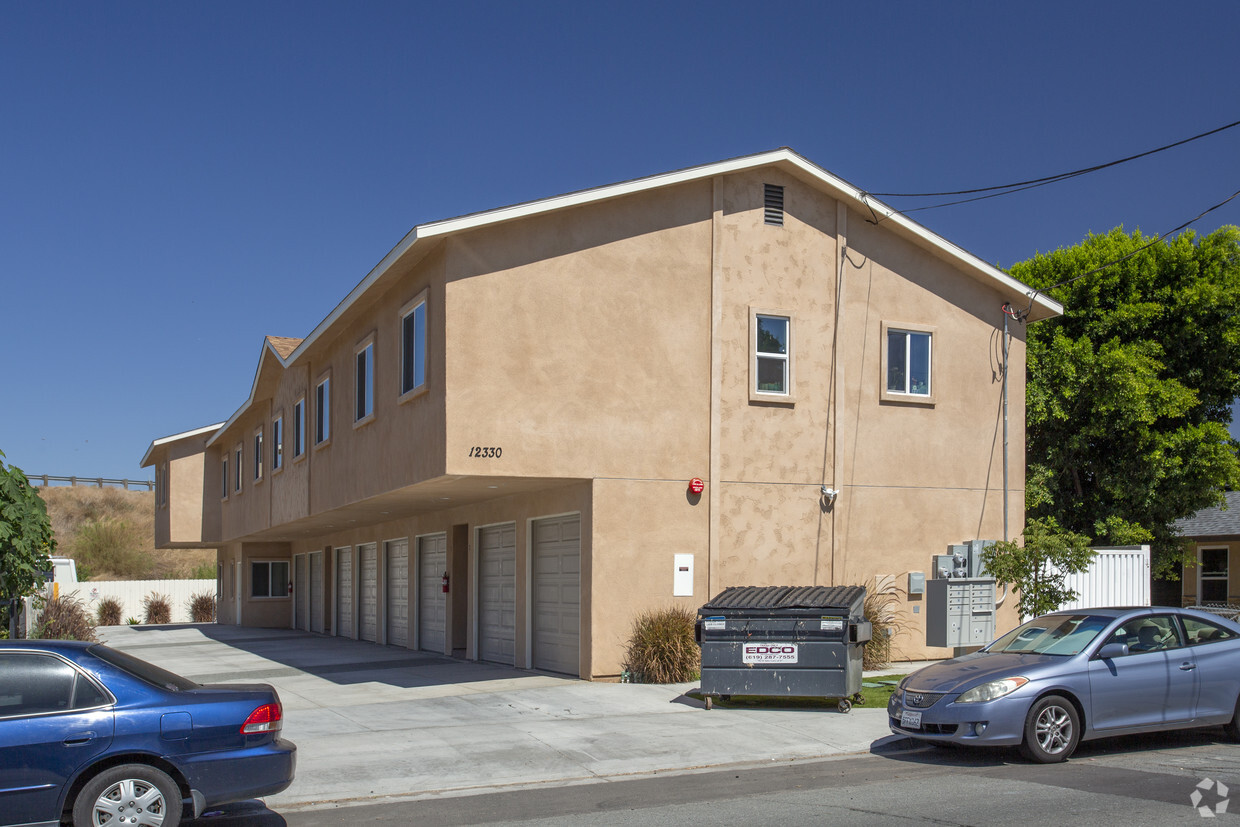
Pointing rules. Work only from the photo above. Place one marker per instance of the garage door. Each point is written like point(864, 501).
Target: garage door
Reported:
point(299, 591)
point(316, 591)
point(557, 594)
point(398, 592)
point(432, 563)
point(344, 592)
point(368, 592)
point(497, 594)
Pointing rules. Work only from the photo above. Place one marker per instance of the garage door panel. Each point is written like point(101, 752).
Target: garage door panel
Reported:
point(497, 594)
point(344, 592)
point(368, 592)
point(432, 563)
point(316, 591)
point(299, 591)
point(557, 594)
point(398, 593)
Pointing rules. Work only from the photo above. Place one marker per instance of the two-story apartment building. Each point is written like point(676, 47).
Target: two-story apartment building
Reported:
point(491, 446)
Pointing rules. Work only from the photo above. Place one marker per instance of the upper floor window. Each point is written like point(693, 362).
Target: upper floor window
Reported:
point(224, 477)
point(258, 455)
point(299, 428)
point(908, 363)
point(413, 345)
point(322, 411)
point(238, 473)
point(277, 444)
point(771, 357)
point(364, 381)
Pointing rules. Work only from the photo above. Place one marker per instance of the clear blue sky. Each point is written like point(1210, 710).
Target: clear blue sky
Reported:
point(181, 179)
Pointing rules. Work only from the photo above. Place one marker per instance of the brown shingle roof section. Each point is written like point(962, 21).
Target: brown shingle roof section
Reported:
point(283, 345)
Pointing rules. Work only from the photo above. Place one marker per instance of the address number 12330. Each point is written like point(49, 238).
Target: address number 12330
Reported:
point(486, 453)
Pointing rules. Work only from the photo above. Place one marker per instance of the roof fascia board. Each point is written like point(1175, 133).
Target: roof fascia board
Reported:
point(175, 438)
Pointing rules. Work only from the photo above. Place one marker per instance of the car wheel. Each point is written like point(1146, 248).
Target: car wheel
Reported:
point(128, 794)
point(1052, 730)
point(1232, 727)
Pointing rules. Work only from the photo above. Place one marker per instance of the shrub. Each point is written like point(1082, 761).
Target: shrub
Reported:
point(158, 608)
point(65, 618)
point(661, 647)
point(887, 621)
point(202, 608)
point(109, 612)
point(108, 545)
point(205, 571)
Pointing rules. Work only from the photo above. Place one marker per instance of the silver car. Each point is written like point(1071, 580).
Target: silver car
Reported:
point(1071, 676)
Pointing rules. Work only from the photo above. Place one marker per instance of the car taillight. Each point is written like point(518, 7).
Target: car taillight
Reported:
point(267, 718)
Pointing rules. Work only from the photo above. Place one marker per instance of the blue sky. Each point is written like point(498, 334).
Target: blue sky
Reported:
point(182, 179)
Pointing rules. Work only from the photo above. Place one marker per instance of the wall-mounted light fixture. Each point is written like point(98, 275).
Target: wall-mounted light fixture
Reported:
point(828, 496)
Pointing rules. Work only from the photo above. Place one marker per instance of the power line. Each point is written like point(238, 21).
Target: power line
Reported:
point(1018, 186)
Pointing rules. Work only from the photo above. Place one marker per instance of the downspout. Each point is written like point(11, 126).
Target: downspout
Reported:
point(841, 234)
point(999, 602)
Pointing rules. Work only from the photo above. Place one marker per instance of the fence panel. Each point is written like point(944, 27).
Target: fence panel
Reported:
point(130, 594)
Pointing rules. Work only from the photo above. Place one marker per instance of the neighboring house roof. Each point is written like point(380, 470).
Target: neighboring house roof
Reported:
point(146, 458)
point(1220, 521)
point(1041, 306)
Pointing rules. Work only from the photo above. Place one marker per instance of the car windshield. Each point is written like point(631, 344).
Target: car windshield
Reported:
point(1052, 635)
point(142, 670)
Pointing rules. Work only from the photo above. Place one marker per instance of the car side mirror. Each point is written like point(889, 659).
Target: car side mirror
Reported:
point(1113, 650)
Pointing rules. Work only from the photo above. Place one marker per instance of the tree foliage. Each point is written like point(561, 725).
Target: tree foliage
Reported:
point(1129, 392)
point(1039, 568)
point(26, 540)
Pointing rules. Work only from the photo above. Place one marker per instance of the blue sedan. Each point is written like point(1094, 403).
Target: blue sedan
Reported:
point(96, 736)
point(1071, 676)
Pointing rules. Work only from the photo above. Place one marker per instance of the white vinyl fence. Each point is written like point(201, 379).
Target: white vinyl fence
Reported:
point(131, 593)
point(1118, 576)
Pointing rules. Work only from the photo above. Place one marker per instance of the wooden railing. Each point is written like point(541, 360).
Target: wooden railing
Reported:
point(97, 482)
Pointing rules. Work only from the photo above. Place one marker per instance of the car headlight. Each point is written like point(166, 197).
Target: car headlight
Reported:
point(991, 691)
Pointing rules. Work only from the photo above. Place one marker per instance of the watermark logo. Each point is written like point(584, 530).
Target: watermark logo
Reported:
point(1207, 791)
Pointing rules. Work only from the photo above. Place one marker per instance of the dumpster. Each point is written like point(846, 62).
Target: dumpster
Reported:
point(788, 641)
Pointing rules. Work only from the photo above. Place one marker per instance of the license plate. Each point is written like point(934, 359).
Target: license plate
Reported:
point(910, 720)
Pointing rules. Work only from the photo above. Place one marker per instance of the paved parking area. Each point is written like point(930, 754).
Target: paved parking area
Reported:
point(378, 722)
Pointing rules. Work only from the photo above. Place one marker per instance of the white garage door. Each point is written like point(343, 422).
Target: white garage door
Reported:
point(316, 591)
point(398, 592)
point(497, 594)
point(368, 591)
point(344, 592)
point(557, 594)
point(432, 563)
point(299, 591)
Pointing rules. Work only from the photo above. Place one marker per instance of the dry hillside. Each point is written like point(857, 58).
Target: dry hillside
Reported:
point(111, 532)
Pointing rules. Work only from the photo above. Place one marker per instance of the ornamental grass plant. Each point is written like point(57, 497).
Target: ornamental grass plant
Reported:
point(65, 618)
point(158, 608)
point(202, 608)
point(662, 648)
point(109, 612)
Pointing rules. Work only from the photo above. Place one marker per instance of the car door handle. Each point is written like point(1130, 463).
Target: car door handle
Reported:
point(79, 738)
point(1187, 667)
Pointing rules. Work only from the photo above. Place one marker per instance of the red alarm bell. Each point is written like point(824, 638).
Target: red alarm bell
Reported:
point(696, 485)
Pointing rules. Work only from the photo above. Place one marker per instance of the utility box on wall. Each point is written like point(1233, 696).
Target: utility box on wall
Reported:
point(960, 611)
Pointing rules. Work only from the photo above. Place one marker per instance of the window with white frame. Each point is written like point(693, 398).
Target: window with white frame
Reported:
point(770, 363)
point(299, 428)
point(1212, 575)
point(277, 444)
point(908, 363)
point(413, 346)
point(224, 478)
point(269, 578)
point(364, 381)
point(322, 411)
point(238, 468)
point(258, 455)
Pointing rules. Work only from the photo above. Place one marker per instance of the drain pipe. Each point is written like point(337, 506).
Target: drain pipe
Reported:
point(1005, 425)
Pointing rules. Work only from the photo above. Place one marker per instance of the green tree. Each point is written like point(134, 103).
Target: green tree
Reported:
point(1129, 392)
point(26, 541)
point(1039, 568)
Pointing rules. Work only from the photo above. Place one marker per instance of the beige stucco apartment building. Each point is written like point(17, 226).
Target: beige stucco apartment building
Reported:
point(488, 448)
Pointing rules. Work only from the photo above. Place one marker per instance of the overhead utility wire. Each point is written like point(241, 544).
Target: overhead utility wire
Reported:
point(1019, 185)
point(1020, 315)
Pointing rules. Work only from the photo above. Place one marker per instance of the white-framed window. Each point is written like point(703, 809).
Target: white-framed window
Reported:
point(299, 428)
point(269, 578)
point(908, 363)
point(323, 411)
point(1212, 574)
point(161, 484)
point(277, 443)
point(770, 361)
point(413, 346)
point(364, 381)
point(258, 455)
point(224, 477)
point(238, 467)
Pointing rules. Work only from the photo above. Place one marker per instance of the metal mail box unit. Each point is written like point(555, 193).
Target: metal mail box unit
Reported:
point(960, 612)
point(791, 641)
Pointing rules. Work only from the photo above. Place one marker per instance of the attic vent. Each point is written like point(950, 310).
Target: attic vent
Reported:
point(774, 204)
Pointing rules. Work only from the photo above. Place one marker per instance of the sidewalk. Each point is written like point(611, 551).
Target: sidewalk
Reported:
point(377, 722)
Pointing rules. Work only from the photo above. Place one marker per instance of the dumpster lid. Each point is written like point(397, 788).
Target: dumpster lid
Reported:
point(787, 597)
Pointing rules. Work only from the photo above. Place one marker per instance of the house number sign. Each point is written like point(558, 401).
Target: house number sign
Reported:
point(486, 453)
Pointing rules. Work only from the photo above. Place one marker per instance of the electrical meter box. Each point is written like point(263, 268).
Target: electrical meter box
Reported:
point(960, 611)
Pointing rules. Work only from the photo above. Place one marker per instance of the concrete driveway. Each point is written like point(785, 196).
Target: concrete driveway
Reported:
point(377, 722)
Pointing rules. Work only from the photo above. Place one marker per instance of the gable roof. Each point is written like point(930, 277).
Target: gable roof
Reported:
point(1041, 306)
point(1219, 521)
point(148, 459)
